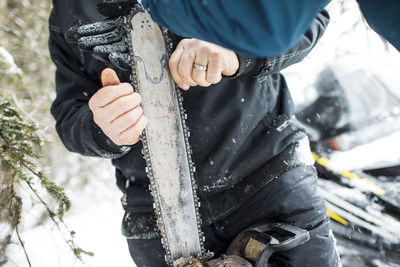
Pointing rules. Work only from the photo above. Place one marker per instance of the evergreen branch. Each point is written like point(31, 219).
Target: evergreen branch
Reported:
point(75, 249)
point(55, 191)
point(19, 144)
point(23, 246)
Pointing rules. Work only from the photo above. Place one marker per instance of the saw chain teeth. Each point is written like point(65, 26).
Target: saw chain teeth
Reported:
point(146, 152)
point(186, 132)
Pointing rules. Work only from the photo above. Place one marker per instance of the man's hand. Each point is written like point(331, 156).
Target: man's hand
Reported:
point(105, 40)
point(116, 110)
point(191, 54)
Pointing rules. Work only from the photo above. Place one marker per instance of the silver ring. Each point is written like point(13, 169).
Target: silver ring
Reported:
point(200, 66)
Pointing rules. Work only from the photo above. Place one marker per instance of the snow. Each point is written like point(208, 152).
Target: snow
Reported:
point(97, 213)
point(347, 37)
point(360, 157)
point(7, 59)
point(95, 217)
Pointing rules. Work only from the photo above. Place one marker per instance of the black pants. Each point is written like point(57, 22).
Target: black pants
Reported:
point(291, 198)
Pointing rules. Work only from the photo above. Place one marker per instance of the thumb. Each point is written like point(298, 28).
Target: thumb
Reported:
point(231, 64)
point(109, 77)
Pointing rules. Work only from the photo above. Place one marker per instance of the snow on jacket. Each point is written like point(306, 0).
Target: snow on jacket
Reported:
point(237, 125)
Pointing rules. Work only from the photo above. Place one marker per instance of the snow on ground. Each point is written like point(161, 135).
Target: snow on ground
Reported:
point(95, 217)
point(385, 153)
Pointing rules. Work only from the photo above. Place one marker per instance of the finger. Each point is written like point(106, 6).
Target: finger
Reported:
point(88, 42)
point(120, 106)
point(126, 120)
point(109, 77)
point(120, 61)
point(199, 76)
point(231, 65)
point(173, 67)
point(98, 27)
point(132, 135)
point(108, 94)
point(72, 35)
point(214, 68)
point(185, 66)
point(121, 47)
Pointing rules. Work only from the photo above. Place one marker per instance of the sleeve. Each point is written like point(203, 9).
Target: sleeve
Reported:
point(259, 28)
point(74, 87)
point(384, 18)
point(252, 66)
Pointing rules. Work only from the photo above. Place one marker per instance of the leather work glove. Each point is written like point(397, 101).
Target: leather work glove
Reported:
point(106, 40)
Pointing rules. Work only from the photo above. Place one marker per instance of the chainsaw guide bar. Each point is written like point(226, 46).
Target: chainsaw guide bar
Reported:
point(166, 147)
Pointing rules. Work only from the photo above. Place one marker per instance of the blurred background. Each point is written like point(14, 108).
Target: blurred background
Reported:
point(27, 78)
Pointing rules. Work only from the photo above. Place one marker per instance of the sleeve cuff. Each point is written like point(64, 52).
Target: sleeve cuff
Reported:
point(247, 67)
point(104, 142)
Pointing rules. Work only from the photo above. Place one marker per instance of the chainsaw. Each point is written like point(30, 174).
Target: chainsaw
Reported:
point(135, 43)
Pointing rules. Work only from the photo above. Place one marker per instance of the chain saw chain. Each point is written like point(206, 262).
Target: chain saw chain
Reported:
point(166, 147)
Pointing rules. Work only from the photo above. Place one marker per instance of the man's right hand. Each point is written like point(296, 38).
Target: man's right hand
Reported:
point(116, 110)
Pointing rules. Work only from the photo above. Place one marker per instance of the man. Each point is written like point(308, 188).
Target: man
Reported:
point(251, 157)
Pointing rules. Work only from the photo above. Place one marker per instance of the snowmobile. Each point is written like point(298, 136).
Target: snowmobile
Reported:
point(354, 126)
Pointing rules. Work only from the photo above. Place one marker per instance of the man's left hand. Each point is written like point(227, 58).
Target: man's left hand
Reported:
point(196, 62)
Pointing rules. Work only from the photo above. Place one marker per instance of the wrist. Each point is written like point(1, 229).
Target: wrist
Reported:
point(104, 141)
point(246, 65)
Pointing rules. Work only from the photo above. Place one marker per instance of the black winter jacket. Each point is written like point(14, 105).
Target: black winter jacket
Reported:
point(237, 126)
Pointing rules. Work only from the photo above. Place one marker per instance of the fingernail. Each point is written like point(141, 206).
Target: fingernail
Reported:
point(185, 87)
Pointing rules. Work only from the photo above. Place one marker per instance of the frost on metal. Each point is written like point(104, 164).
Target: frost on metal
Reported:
point(165, 141)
